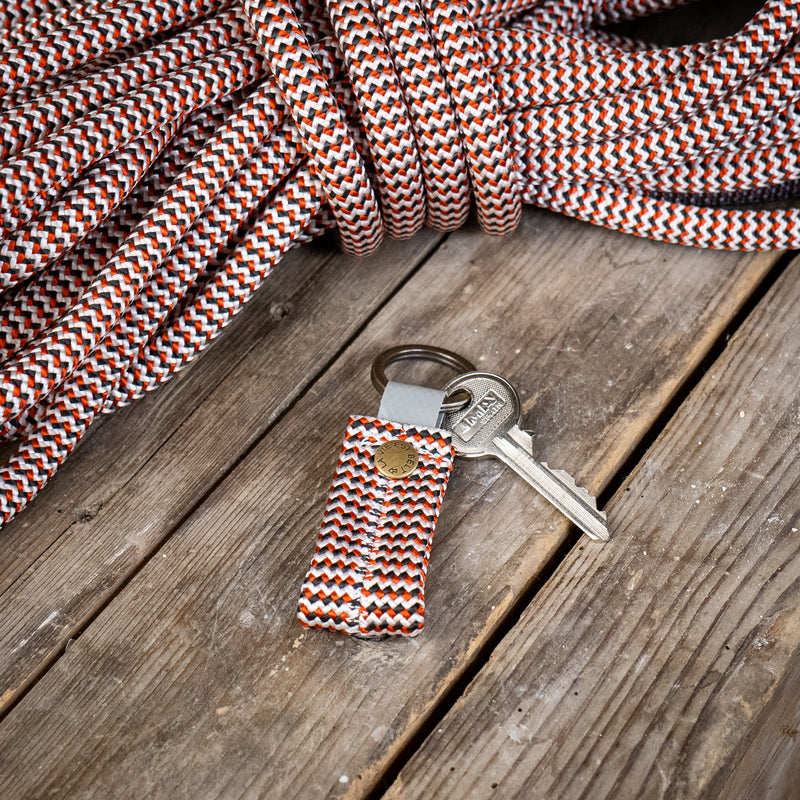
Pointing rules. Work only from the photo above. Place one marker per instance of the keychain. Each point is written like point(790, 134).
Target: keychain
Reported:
point(367, 577)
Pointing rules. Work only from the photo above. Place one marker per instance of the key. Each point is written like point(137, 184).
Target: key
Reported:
point(489, 426)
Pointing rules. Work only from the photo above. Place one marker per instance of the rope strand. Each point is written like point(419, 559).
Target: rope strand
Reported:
point(158, 157)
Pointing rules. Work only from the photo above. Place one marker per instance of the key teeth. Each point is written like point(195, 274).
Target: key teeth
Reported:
point(566, 478)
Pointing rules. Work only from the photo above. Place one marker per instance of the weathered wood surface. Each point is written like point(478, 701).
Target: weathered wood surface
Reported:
point(649, 667)
point(197, 681)
point(770, 767)
point(142, 470)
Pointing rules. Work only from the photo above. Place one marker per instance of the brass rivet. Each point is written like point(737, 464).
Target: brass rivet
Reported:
point(396, 458)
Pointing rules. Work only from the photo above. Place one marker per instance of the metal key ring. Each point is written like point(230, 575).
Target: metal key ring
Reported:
point(408, 352)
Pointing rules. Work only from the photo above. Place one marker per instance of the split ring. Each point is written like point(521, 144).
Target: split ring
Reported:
point(409, 352)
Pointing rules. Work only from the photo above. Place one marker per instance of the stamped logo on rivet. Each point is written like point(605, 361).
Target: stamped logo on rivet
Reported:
point(396, 458)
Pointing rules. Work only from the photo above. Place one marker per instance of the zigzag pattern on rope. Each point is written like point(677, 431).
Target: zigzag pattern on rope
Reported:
point(367, 576)
point(158, 157)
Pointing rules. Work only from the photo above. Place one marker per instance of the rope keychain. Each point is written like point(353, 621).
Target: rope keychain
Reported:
point(160, 156)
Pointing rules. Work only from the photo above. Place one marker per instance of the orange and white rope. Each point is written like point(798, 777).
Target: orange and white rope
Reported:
point(160, 156)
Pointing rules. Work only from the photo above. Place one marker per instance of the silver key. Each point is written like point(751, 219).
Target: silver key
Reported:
point(489, 426)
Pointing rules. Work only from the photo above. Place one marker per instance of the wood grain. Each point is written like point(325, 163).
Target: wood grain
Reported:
point(197, 681)
point(770, 767)
point(142, 470)
point(648, 667)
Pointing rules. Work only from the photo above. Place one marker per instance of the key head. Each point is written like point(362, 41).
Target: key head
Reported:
point(494, 407)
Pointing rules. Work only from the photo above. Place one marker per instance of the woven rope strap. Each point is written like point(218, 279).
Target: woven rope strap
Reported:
point(367, 576)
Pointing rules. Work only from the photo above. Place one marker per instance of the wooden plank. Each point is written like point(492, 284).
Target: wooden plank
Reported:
point(646, 668)
point(144, 468)
point(770, 768)
point(197, 679)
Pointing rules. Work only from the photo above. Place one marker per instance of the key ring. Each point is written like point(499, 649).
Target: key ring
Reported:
point(408, 352)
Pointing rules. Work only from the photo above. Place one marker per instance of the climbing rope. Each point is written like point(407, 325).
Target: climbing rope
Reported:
point(160, 156)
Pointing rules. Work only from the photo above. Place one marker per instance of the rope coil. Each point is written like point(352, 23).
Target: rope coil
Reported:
point(160, 156)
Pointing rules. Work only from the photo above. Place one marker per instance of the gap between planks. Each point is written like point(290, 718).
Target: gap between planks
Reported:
point(665, 666)
point(179, 624)
point(549, 569)
point(214, 412)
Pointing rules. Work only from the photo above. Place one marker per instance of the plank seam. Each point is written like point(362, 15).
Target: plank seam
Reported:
point(306, 388)
point(507, 623)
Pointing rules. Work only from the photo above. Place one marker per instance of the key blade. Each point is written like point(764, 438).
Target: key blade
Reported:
point(556, 487)
point(569, 481)
point(525, 441)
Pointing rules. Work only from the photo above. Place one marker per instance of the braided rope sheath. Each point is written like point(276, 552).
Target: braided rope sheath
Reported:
point(367, 576)
point(160, 156)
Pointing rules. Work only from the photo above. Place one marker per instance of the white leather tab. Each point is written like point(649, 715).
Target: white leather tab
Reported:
point(411, 405)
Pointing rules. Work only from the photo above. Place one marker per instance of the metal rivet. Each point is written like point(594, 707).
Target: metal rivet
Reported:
point(396, 458)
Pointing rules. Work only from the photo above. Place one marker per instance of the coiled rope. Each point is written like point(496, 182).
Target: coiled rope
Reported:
point(160, 156)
